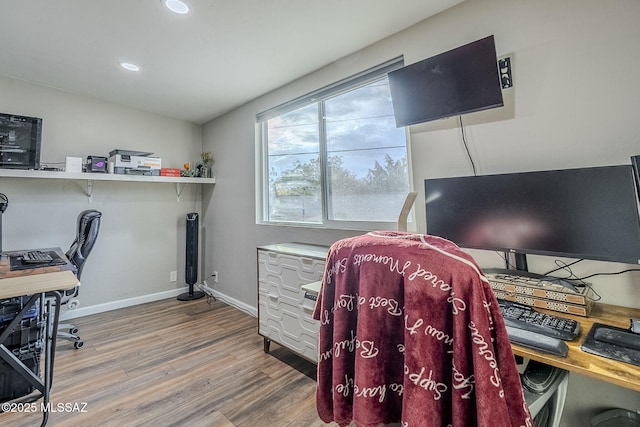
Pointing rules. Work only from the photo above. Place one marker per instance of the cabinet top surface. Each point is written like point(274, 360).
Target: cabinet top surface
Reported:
point(301, 249)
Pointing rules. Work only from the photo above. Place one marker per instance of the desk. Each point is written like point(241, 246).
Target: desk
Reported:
point(590, 365)
point(41, 285)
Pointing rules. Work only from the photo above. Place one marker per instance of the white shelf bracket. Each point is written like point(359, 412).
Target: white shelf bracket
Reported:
point(90, 190)
point(179, 189)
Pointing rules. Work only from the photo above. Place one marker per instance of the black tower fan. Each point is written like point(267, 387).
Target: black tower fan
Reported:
point(191, 265)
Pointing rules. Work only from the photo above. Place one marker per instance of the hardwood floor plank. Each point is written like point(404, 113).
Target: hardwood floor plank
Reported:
point(177, 363)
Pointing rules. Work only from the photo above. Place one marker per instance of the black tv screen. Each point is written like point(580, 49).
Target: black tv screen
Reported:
point(459, 81)
point(20, 138)
point(589, 213)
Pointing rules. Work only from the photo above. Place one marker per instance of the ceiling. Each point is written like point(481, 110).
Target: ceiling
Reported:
point(196, 66)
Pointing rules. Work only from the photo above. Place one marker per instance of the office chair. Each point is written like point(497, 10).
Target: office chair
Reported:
point(87, 233)
point(409, 329)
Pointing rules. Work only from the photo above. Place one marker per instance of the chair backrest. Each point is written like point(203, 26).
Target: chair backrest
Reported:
point(87, 232)
point(407, 331)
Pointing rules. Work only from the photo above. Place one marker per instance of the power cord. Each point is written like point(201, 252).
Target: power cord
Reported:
point(209, 292)
point(466, 146)
point(608, 274)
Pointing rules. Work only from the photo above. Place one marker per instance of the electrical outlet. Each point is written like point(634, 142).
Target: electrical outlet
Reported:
point(173, 276)
point(215, 277)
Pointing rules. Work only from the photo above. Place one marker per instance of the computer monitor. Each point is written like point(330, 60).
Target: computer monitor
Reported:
point(587, 213)
point(459, 81)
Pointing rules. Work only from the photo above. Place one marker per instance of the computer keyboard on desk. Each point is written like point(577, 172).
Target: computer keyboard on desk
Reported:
point(527, 318)
point(36, 257)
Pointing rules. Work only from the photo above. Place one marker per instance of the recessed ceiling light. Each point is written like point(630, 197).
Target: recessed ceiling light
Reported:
point(176, 6)
point(129, 66)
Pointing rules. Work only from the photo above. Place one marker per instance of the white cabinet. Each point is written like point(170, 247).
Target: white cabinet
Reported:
point(284, 314)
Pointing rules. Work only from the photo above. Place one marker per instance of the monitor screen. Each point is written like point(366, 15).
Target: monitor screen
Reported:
point(462, 80)
point(589, 213)
point(20, 138)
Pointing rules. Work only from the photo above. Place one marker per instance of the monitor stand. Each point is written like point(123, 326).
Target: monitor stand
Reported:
point(520, 261)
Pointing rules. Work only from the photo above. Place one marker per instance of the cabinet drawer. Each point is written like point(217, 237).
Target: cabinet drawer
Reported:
point(290, 326)
point(284, 314)
point(288, 272)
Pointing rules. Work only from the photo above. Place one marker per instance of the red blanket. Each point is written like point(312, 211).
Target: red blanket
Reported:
point(411, 332)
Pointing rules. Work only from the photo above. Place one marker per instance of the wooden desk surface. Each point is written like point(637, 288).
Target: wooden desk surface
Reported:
point(35, 280)
point(622, 374)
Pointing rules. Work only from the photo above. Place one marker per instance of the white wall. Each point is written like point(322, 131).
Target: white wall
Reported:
point(142, 231)
point(574, 104)
point(570, 105)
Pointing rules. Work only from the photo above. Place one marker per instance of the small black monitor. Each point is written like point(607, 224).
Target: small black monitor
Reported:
point(587, 213)
point(20, 138)
point(459, 81)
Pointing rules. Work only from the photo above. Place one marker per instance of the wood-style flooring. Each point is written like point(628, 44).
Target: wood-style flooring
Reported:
point(172, 363)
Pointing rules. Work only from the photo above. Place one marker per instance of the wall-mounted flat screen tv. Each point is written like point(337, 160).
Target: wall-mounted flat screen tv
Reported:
point(20, 138)
point(586, 213)
point(459, 81)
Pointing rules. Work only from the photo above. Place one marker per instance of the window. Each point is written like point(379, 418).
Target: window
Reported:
point(335, 155)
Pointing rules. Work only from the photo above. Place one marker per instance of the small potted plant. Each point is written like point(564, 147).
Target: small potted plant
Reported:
point(207, 161)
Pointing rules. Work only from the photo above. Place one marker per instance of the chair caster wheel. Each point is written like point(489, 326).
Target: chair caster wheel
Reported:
point(73, 331)
point(78, 344)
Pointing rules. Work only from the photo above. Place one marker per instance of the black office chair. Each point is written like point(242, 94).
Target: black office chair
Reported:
point(87, 233)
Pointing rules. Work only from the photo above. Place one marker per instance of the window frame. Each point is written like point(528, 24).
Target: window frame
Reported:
point(318, 97)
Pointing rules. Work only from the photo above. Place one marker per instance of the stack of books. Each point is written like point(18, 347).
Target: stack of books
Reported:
point(542, 293)
point(175, 172)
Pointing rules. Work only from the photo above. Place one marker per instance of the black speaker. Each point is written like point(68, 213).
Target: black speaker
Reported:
point(191, 262)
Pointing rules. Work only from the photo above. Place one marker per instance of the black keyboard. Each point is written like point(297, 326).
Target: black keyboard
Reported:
point(36, 257)
point(524, 317)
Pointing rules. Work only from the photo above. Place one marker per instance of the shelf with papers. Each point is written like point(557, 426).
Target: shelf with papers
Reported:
point(90, 177)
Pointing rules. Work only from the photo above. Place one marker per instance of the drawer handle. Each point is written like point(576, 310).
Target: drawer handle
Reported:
point(273, 296)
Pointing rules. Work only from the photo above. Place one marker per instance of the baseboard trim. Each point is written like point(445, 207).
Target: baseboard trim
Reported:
point(114, 305)
point(250, 310)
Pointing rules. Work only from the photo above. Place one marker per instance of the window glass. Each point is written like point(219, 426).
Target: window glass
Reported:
point(294, 166)
point(367, 156)
point(337, 157)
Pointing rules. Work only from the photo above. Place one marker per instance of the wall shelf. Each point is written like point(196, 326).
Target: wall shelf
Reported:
point(90, 177)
